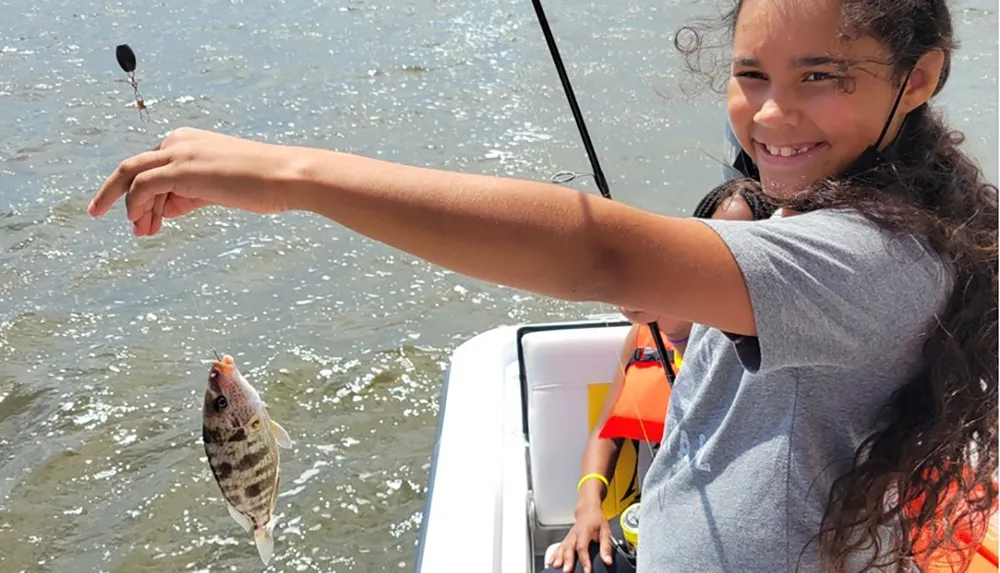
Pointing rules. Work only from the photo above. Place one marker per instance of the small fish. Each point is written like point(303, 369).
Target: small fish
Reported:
point(241, 442)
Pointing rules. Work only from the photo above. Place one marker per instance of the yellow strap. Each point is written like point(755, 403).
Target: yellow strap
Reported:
point(603, 479)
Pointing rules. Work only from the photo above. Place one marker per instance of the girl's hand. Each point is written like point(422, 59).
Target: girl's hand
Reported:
point(192, 168)
point(590, 526)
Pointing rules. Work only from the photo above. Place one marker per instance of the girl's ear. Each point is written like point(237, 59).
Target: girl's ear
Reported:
point(923, 81)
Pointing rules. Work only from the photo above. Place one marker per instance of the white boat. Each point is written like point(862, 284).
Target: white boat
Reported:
point(519, 403)
point(518, 406)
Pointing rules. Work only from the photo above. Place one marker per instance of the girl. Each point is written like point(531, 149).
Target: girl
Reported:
point(837, 408)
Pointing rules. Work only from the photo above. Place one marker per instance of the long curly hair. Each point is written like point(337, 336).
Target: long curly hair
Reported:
point(930, 469)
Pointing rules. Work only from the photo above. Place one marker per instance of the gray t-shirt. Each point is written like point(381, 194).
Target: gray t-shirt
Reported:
point(758, 428)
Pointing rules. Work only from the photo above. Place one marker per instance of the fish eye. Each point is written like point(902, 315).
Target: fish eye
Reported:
point(220, 403)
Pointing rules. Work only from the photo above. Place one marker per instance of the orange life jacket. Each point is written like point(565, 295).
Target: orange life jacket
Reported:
point(640, 411)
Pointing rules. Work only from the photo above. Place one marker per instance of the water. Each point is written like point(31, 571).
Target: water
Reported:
point(101, 334)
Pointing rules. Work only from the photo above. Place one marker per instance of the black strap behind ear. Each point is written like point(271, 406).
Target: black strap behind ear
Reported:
point(892, 112)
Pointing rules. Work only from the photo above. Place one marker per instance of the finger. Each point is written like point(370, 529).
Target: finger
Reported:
point(583, 554)
point(140, 227)
point(557, 555)
point(150, 221)
point(550, 559)
point(158, 206)
point(568, 558)
point(145, 188)
point(119, 182)
point(606, 543)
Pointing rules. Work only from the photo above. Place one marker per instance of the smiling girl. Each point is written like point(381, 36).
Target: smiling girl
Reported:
point(839, 389)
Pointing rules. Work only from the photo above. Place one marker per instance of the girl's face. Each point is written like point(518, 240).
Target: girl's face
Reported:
point(803, 102)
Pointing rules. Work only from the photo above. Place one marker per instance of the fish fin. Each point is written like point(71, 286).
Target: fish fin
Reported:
point(239, 518)
point(277, 486)
point(264, 537)
point(283, 440)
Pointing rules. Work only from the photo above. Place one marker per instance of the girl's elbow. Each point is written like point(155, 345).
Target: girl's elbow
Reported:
point(590, 273)
point(603, 277)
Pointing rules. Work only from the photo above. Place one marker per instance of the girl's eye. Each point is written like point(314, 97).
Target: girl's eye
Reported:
point(751, 75)
point(819, 76)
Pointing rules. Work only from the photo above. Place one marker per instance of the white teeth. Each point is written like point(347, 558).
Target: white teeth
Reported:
point(786, 151)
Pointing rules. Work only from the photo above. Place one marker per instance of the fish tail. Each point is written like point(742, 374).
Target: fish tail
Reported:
point(264, 536)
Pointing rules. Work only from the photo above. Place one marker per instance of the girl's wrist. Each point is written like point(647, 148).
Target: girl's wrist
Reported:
point(305, 178)
point(589, 496)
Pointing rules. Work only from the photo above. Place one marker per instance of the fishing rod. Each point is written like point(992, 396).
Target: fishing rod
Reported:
point(602, 182)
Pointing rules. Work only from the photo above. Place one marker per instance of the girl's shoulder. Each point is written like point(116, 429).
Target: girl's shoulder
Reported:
point(846, 234)
point(827, 283)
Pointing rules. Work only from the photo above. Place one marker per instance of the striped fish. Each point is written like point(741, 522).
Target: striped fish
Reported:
point(241, 442)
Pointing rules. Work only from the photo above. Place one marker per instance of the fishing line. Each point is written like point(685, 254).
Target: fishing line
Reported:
point(563, 177)
point(602, 185)
point(567, 176)
point(558, 177)
point(598, 172)
point(127, 61)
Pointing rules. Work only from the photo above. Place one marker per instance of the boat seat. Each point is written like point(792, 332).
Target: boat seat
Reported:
point(567, 372)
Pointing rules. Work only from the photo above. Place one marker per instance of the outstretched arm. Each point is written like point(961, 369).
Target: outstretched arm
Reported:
point(533, 236)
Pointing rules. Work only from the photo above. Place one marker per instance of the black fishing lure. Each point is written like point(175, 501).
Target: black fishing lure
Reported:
point(126, 59)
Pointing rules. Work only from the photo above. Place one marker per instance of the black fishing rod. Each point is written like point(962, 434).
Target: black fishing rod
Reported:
point(602, 182)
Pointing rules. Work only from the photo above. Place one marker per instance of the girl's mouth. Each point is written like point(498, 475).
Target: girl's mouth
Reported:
point(786, 154)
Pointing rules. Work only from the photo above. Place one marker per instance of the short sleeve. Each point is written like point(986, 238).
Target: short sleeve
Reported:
point(830, 286)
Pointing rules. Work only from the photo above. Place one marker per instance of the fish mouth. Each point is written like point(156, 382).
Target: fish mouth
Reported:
point(226, 365)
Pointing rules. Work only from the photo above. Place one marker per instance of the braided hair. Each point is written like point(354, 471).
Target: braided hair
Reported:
point(747, 188)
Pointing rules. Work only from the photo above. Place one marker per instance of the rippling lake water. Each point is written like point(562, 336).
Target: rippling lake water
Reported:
point(101, 335)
